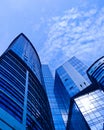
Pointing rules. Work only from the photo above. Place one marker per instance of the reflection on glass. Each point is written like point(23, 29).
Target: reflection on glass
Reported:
point(92, 107)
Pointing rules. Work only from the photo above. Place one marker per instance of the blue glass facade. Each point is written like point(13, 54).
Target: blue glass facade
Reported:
point(79, 66)
point(73, 76)
point(96, 73)
point(62, 97)
point(22, 47)
point(49, 86)
point(70, 79)
point(91, 106)
point(76, 121)
point(23, 100)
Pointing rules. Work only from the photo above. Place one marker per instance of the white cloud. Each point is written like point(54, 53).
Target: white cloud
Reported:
point(77, 32)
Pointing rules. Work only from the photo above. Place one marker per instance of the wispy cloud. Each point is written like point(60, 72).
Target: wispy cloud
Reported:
point(77, 33)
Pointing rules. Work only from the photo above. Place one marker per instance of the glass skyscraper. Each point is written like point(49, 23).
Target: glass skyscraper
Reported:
point(49, 86)
point(23, 100)
point(70, 79)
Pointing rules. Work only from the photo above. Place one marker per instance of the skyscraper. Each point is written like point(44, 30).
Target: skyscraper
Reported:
point(70, 79)
point(49, 87)
point(23, 100)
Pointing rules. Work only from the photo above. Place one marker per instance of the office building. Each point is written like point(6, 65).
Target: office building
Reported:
point(23, 100)
point(70, 79)
point(49, 86)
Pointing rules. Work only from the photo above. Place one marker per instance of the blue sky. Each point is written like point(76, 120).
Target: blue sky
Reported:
point(58, 29)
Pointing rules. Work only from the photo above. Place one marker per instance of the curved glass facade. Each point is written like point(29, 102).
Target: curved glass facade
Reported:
point(23, 100)
point(96, 72)
point(12, 85)
point(22, 47)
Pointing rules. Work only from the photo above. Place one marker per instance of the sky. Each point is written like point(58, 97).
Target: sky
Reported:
point(58, 29)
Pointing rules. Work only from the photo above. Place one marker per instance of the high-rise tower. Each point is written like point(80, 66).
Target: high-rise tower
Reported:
point(70, 79)
point(49, 86)
point(23, 100)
